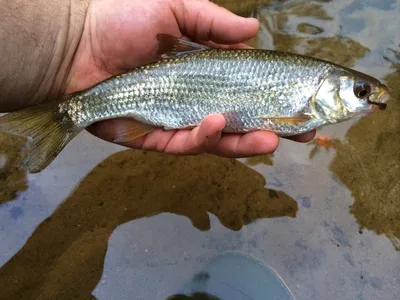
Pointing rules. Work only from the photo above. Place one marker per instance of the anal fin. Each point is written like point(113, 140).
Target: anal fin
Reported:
point(132, 130)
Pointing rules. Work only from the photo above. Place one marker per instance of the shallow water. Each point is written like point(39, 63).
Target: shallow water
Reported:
point(123, 224)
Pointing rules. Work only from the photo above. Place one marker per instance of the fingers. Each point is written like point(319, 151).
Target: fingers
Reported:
point(206, 138)
point(204, 20)
point(198, 140)
point(201, 139)
point(244, 145)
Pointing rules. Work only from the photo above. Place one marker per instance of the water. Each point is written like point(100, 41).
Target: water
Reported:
point(122, 224)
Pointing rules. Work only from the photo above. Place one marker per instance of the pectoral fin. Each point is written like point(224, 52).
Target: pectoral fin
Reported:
point(132, 130)
point(170, 46)
point(294, 120)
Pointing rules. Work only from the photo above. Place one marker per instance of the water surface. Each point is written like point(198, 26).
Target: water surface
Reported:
point(114, 224)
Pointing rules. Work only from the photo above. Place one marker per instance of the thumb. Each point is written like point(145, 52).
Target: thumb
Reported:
point(206, 21)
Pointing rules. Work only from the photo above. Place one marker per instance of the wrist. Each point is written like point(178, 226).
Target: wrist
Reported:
point(38, 42)
point(70, 39)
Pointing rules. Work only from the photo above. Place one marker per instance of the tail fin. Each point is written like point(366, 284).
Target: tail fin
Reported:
point(48, 132)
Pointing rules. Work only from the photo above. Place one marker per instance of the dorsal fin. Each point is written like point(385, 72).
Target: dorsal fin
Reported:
point(170, 46)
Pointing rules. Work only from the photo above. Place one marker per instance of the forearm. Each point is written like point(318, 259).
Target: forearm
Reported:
point(38, 40)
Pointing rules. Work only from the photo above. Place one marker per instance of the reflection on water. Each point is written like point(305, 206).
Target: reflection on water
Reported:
point(346, 32)
point(322, 141)
point(306, 27)
point(12, 178)
point(368, 163)
point(243, 8)
point(64, 256)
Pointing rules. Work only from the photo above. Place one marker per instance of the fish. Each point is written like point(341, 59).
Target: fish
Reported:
point(254, 89)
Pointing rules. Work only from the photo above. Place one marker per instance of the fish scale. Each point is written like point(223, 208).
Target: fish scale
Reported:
point(224, 84)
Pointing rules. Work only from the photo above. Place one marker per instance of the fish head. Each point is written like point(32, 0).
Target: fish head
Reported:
point(349, 94)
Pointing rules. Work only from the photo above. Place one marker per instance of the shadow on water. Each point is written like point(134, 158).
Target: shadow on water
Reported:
point(64, 256)
point(195, 296)
point(12, 178)
point(260, 160)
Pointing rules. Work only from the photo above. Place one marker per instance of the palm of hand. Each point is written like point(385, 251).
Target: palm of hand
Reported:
point(119, 36)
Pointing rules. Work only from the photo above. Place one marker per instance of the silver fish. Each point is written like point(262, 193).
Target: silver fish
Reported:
point(254, 89)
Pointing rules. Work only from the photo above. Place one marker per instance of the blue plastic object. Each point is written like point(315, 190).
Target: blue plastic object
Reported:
point(233, 275)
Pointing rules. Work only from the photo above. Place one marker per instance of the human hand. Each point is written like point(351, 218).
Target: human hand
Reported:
point(120, 35)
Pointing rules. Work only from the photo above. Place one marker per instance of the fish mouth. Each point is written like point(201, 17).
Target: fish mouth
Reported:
point(378, 101)
point(377, 105)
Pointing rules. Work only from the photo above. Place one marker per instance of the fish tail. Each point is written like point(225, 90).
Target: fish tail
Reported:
point(48, 131)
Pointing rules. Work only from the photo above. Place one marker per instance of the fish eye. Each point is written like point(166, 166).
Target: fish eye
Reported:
point(362, 89)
